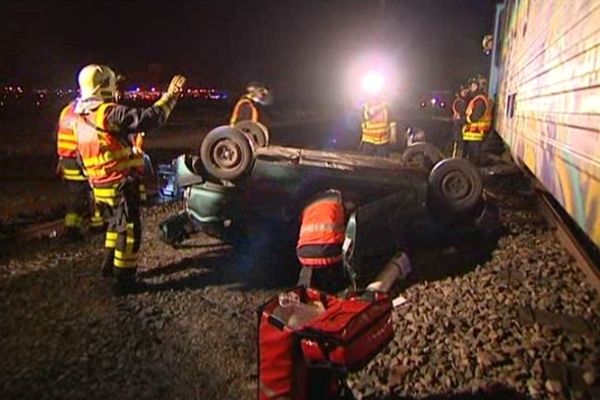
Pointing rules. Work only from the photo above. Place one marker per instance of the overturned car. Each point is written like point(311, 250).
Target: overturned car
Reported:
point(239, 178)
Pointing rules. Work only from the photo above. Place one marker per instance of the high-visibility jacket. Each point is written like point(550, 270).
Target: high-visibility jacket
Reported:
point(376, 125)
point(106, 158)
point(475, 130)
point(66, 145)
point(322, 232)
point(458, 109)
point(244, 110)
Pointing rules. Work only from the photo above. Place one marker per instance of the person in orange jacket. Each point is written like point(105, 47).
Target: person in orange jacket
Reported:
point(319, 247)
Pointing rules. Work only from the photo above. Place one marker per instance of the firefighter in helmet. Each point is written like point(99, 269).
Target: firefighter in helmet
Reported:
point(478, 119)
point(102, 128)
point(248, 107)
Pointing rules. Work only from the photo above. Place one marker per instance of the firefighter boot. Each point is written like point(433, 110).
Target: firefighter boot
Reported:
point(107, 263)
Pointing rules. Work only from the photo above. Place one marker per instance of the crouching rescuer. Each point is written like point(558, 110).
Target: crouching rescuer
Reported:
point(102, 129)
point(320, 241)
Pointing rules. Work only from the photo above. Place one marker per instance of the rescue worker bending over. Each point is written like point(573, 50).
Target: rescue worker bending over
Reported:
point(248, 106)
point(319, 248)
point(478, 117)
point(80, 200)
point(102, 129)
point(459, 107)
point(375, 139)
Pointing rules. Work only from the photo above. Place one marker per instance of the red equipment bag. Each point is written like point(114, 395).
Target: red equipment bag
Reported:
point(349, 333)
point(344, 337)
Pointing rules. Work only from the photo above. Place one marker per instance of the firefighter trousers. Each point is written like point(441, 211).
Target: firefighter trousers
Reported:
point(121, 206)
point(77, 203)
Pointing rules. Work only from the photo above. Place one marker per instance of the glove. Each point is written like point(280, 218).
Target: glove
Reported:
point(176, 85)
point(168, 100)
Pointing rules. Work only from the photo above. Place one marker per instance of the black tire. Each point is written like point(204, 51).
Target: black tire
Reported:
point(424, 154)
point(226, 153)
point(256, 131)
point(456, 185)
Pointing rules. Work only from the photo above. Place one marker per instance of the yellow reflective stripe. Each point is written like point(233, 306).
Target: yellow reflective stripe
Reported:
point(111, 239)
point(106, 157)
point(124, 255)
point(124, 263)
point(73, 220)
point(129, 238)
point(72, 171)
point(67, 136)
point(100, 114)
point(79, 178)
point(108, 191)
point(67, 146)
point(125, 259)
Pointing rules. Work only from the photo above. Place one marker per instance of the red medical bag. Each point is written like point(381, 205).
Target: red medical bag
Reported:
point(344, 337)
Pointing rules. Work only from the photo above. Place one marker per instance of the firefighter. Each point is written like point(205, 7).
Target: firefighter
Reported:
point(319, 248)
point(478, 116)
point(80, 199)
point(459, 107)
point(102, 129)
point(375, 139)
point(248, 107)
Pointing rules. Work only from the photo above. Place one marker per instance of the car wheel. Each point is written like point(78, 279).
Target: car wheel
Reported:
point(226, 153)
point(424, 154)
point(456, 184)
point(256, 131)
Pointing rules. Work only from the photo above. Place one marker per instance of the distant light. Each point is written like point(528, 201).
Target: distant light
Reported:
point(153, 89)
point(423, 104)
point(433, 101)
point(373, 82)
point(137, 89)
point(442, 104)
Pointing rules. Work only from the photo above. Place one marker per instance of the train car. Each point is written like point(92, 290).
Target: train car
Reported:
point(545, 79)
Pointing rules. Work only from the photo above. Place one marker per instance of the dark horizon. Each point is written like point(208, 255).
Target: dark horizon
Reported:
point(299, 48)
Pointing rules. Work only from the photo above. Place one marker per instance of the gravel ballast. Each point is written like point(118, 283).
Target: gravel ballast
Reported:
point(484, 325)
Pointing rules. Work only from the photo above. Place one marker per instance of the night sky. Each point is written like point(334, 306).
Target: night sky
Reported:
point(300, 48)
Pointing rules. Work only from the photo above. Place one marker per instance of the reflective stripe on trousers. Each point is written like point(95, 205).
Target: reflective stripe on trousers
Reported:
point(124, 231)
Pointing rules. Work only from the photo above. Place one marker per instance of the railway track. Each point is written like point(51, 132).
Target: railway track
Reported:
point(572, 240)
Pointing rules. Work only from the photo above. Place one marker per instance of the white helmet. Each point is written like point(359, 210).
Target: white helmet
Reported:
point(97, 81)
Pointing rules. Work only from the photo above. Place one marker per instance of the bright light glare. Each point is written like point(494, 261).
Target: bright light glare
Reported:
point(373, 82)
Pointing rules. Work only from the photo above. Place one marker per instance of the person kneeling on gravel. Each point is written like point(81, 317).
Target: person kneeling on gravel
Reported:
point(102, 130)
point(319, 248)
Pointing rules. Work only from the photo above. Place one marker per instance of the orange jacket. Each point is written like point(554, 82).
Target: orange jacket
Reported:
point(322, 232)
point(244, 110)
point(106, 158)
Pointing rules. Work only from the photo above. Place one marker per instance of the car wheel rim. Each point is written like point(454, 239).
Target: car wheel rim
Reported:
point(456, 186)
point(226, 154)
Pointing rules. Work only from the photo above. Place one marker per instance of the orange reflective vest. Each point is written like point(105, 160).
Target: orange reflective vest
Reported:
point(456, 111)
point(243, 105)
point(106, 158)
point(376, 125)
point(66, 143)
point(322, 232)
point(475, 131)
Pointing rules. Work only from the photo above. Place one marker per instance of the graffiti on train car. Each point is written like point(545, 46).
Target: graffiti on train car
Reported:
point(548, 105)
